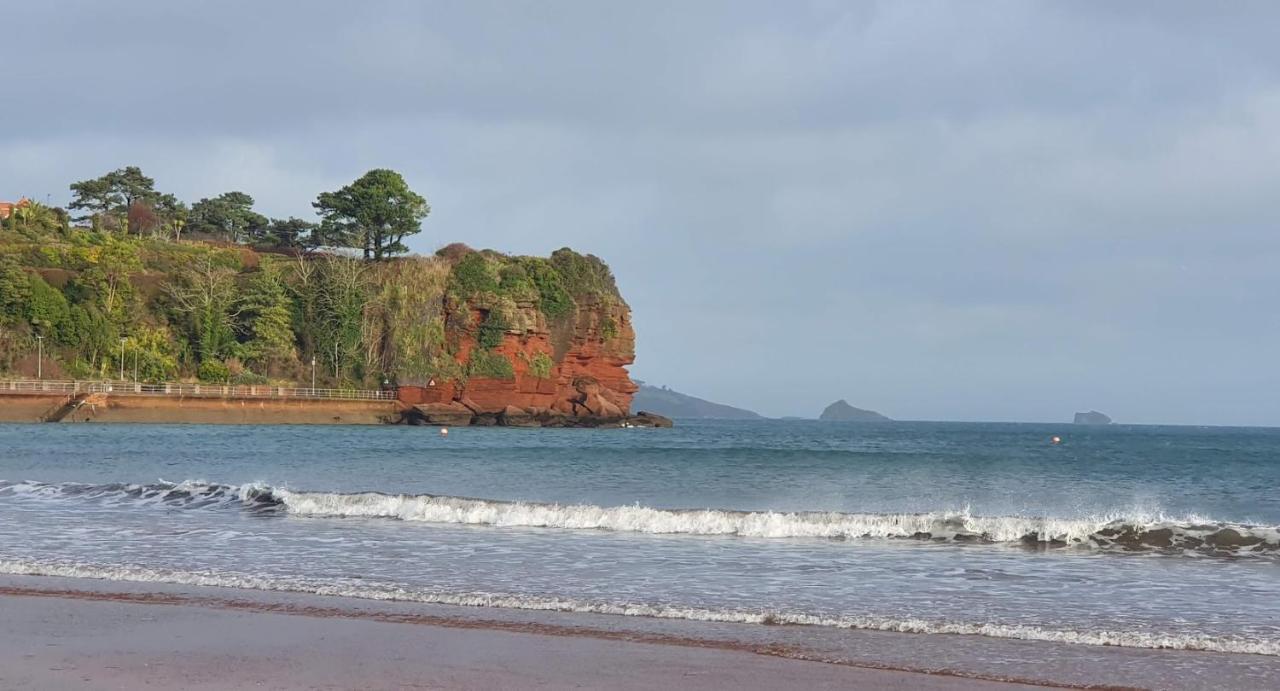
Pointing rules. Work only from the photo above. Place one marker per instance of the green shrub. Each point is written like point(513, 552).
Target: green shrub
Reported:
point(491, 365)
point(584, 275)
point(515, 283)
point(153, 352)
point(492, 330)
point(473, 274)
point(609, 329)
point(553, 299)
point(48, 311)
point(540, 366)
point(15, 290)
point(213, 371)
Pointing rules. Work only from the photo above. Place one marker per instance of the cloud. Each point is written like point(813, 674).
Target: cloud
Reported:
point(1003, 210)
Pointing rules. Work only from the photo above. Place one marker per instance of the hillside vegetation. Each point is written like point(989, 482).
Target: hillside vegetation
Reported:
point(110, 294)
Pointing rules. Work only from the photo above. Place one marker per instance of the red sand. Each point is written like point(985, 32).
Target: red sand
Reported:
point(99, 640)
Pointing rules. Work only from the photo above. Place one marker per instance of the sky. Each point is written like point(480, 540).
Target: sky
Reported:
point(937, 210)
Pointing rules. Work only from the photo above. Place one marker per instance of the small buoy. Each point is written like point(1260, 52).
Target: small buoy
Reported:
point(1056, 440)
point(444, 431)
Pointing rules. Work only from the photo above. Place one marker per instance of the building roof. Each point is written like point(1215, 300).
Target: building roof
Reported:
point(6, 208)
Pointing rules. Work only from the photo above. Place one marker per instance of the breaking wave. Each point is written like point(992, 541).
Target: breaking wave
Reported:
point(1124, 532)
point(1128, 639)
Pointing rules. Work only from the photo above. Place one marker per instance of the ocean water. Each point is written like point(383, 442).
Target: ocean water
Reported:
point(1141, 538)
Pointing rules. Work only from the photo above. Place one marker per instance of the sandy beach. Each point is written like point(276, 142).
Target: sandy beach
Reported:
point(54, 638)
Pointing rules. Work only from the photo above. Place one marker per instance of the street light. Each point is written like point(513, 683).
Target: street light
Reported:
point(313, 374)
point(122, 339)
point(40, 357)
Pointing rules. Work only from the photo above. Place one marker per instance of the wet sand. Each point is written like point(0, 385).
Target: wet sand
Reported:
point(84, 639)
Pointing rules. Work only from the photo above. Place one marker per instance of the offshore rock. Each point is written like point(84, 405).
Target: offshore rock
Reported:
point(1092, 417)
point(841, 411)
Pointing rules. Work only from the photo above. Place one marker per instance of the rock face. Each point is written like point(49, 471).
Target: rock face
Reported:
point(1092, 417)
point(524, 357)
point(841, 411)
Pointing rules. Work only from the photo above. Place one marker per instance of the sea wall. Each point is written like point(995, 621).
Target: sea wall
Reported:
point(196, 410)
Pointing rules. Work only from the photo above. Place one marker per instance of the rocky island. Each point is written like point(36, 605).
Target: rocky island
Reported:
point(1092, 417)
point(841, 411)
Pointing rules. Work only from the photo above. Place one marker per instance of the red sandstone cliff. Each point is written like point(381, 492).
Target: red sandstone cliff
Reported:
point(565, 370)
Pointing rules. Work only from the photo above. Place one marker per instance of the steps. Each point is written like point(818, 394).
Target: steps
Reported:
point(70, 405)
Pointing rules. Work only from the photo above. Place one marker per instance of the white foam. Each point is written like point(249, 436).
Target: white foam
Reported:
point(1134, 531)
point(943, 525)
point(1127, 639)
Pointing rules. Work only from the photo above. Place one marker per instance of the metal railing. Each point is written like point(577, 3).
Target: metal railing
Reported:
point(128, 388)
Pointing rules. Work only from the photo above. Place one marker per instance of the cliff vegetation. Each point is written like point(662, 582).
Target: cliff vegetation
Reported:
point(144, 286)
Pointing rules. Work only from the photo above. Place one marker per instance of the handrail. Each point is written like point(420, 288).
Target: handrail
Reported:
point(127, 388)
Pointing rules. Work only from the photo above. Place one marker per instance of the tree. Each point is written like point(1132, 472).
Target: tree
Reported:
point(230, 214)
point(95, 197)
point(15, 290)
point(266, 316)
point(143, 218)
point(287, 233)
point(204, 298)
point(113, 195)
point(132, 185)
point(173, 215)
point(342, 295)
point(48, 311)
point(108, 277)
point(373, 213)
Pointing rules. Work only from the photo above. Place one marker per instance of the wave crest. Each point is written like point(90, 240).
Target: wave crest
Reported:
point(1121, 532)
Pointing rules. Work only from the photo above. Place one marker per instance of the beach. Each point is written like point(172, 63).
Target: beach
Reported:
point(60, 634)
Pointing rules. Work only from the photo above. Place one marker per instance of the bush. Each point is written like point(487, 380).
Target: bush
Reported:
point(584, 275)
point(473, 274)
point(553, 299)
point(540, 366)
point(490, 365)
point(213, 372)
point(609, 329)
point(48, 311)
point(516, 284)
point(492, 330)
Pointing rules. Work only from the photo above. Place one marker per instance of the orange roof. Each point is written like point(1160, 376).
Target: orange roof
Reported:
point(6, 208)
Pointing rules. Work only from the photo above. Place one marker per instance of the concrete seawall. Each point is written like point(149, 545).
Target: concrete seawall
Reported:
point(105, 407)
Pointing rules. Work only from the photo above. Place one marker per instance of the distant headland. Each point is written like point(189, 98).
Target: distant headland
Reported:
point(669, 403)
point(141, 289)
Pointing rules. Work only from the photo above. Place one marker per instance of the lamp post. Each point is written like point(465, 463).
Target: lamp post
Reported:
point(39, 357)
point(313, 374)
point(135, 365)
point(335, 360)
point(122, 339)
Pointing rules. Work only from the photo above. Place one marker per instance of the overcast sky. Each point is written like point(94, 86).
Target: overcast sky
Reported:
point(968, 211)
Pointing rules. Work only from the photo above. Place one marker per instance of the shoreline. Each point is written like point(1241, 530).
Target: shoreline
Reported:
point(59, 408)
point(58, 632)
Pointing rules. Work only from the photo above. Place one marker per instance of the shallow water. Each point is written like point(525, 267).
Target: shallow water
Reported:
point(1143, 537)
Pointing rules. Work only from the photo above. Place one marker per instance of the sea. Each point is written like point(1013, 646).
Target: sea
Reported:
point(1143, 556)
